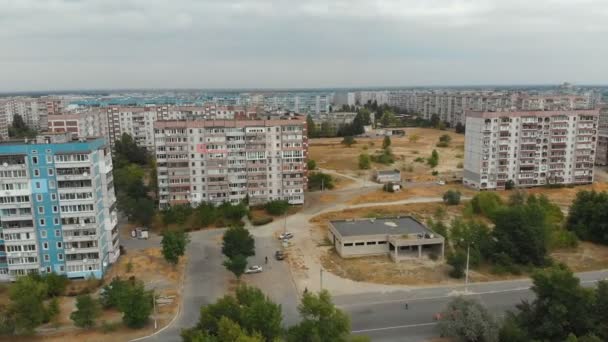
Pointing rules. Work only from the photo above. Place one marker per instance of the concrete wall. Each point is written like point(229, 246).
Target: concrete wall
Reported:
point(357, 246)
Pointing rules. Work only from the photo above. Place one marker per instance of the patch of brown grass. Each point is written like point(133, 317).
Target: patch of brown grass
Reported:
point(405, 193)
point(586, 256)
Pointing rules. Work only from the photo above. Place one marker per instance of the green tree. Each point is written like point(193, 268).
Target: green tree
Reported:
point(320, 181)
point(451, 197)
point(433, 160)
point(348, 141)
point(588, 216)
point(19, 129)
point(388, 119)
point(486, 203)
point(311, 164)
point(457, 260)
point(386, 142)
point(259, 313)
point(601, 310)
point(469, 321)
point(236, 264)
point(238, 241)
point(143, 212)
point(321, 320)
point(311, 128)
point(460, 128)
point(127, 151)
point(364, 161)
point(136, 306)
point(327, 130)
point(27, 303)
point(174, 244)
point(277, 207)
point(55, 283)
point(232, 331)
point(87, 310)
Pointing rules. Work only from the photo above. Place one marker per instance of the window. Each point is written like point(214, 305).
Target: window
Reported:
point(51, 171)
point(56, 221)
point(382, 242)
point(53, 197)
point(47, 257)
point(60, 256)
point(37, 185)
point(59, 244)
point(43, 234)
point(52, 184)
point(61, 268)
point(359, 243)
point(41, 222)
point(45, 245)
point(49, 158)
point(39, 197)
point(41, 210)
point(348, 244)
point(370, 243)
point(48, 269)
point(57, 233)
point(55, 209)
point(36, 172)
point(35, 160)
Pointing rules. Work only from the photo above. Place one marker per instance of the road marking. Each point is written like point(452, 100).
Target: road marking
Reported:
point(394, 327)
point(449, 295)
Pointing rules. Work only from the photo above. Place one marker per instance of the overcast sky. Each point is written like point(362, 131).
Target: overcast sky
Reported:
point(95, 44)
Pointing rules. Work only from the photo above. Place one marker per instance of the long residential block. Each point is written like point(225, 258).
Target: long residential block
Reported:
point(530, 148)
point(57, 207)
point(219, 161)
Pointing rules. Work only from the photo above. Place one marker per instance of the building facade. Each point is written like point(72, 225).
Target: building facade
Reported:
point(529, 148)
point(228, 161)
point(57, 207)
point(602, 139)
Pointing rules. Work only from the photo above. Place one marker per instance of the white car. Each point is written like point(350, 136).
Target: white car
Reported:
point(253, 269)
point(441, 182)
point(285, 236)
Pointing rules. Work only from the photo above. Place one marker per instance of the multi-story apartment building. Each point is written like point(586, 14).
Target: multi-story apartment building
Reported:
point(57, 207)
point(602, 139)
point(3, 121)
point(226, 161)
point(91, 122)
point(32, 110)
point(529, 148)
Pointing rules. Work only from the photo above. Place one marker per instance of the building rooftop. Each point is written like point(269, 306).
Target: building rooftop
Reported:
point(389, 226)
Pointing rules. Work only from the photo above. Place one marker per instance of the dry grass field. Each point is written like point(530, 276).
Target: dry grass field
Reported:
point(329, 153)
point(406, 192)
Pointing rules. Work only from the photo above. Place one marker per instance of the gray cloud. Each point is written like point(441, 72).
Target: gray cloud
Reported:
point(59, 44)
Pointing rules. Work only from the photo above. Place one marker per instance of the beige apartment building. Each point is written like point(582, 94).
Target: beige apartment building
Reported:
point(602, 142)
point(530, 148)
point(230, 160)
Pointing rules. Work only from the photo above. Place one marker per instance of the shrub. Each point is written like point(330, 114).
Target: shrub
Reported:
point(348, 141)
point(87, 309)
point(277, 207)
point(442, 144)
point(364, 161)
point(433, 160)
point(435, 172)
point(458, 262)
point(261, 221)
point(561, 238)
point(486, 203)
point(419, 160)
point(311, 164)
point(510, 184)
point(452, 197)
point(319, 180)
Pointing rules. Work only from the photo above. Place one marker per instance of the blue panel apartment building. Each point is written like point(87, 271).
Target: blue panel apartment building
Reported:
point(57, 207)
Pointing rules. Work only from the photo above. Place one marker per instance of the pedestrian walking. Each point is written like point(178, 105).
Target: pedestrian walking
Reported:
point(406, 306)
point(266, 260)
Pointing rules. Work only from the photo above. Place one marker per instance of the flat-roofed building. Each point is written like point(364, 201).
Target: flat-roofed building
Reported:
point(401, 238)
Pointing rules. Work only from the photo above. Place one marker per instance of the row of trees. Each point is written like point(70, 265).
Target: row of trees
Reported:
point(562, 310)
point(20, 130)
point(250, 316)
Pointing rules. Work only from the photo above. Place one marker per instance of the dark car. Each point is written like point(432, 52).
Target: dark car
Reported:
point(279, 255)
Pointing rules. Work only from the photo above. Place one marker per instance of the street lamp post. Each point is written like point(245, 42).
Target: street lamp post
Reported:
point(466, 275)
point(321, 279)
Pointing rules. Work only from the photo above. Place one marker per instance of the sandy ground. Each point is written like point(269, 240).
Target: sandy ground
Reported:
point(147, 265)
point(410, 191)
point(329, 153)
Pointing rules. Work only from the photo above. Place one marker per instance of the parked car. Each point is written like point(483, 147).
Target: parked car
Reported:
point(253, 269)
point(285, 236)
point(279, 255)
point(441, 182)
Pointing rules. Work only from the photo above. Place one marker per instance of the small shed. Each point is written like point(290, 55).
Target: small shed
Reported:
point(388, 176)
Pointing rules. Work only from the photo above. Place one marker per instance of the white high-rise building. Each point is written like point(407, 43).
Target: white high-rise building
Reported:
point(529, 148)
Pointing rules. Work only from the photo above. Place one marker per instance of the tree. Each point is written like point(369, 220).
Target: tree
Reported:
point(321, 320)
point(236, 264)
point(521, 232)
point(588, 216)
point(561, 307)
point(469, 321)
point(27, 303)
point(277, 207)
point(143, 211)
point(364, 161)
point(320, 181)
point(259, 313)
point(55, 283)
point(509, 184)
point(327, 130)
point(457, 260)
point(451, 197)
point(174, 244)
point(348, 141)
point(311, 128)
point(486, 203)
point(127, 151)
point(19, 129)
point(238, 241)
point(388, 119)
point(232, 331)
point(460, 128)
point(386, 142)
point(87, 310)
point(435, 120)
point(137, 306)
point(311, 164)
point(433, 160)
point(414, 138)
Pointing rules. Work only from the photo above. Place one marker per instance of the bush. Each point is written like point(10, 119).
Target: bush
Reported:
point(442, 144)
point(433, 160)
point(419, 160)
point(452, 197)
point(259, 221)
point(311, 164)
point(348, 141)
point(486, 203)
point(87, 309)
point(510, 184)
point(458, 261)
point(385, 157)
point(459, 165)
point(55, 283)
point(364, 161)
point(319, 180)
point(561, 238)
point(277, 207)
point(434, 172)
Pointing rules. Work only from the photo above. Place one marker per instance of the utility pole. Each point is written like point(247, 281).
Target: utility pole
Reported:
point(321, 279)
point(322, 184)
point(154, 306)
point(466, 276)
